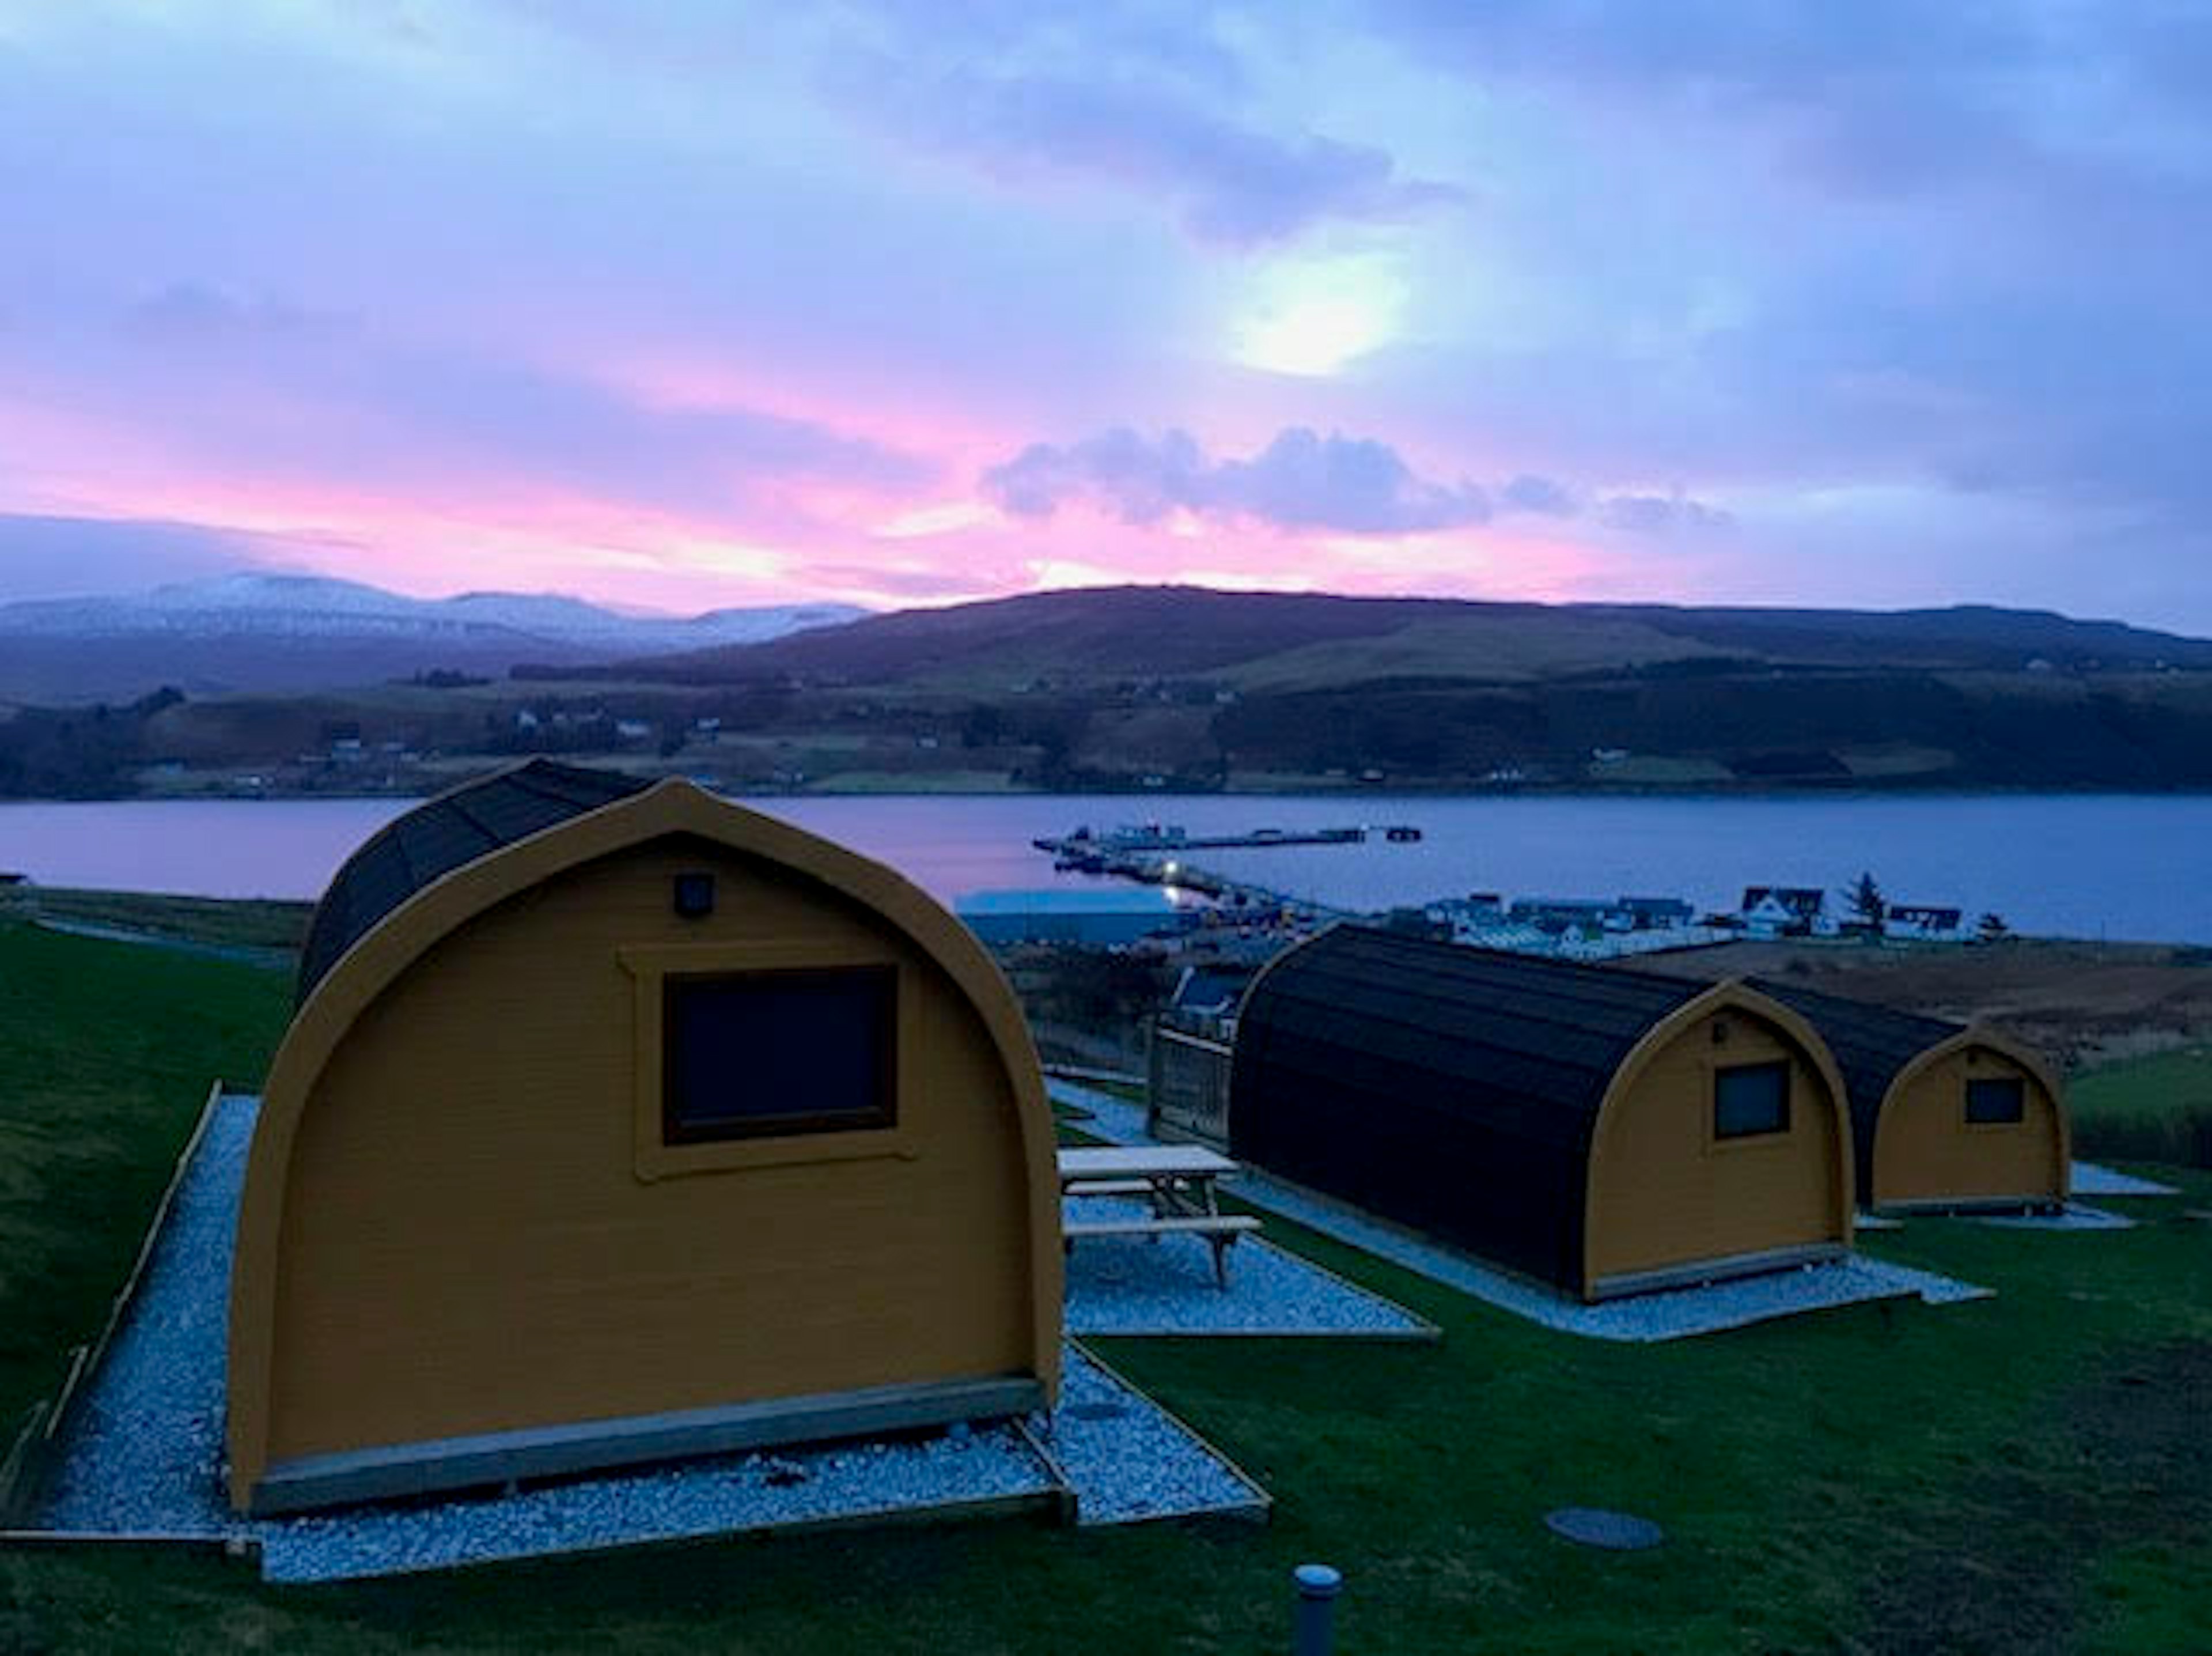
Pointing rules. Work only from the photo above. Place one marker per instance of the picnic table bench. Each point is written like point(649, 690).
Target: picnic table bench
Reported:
point(1179, 1183)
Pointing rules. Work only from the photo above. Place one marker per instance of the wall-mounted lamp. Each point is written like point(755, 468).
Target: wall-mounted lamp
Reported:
point(694, 896)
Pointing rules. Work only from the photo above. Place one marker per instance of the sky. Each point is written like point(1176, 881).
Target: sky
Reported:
point(690, 303)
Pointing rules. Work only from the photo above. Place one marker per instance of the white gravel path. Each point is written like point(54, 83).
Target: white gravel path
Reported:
point(1126, 1285)
point(1129, 1460)
point(1672, 1315)
point(143, 1452)
point(2091, 1179)
point(1114, 1119)
point(2073, 1217)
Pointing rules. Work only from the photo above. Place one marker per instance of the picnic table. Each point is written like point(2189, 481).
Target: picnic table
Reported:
point(1180, 1184)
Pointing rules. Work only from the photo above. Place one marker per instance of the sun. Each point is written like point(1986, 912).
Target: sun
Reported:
point(1314, 319)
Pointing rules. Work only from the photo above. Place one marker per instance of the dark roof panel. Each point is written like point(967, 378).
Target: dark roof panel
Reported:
point(1495, 1026)
point(1454, 1089)
point(442, 835)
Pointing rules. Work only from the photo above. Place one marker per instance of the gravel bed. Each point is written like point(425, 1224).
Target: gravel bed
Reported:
point(1114, 1119)
point(1129, 1460)
point(2091, 1179)
point(143, 1451)
point(724, 1495)
point(2073, 1217)
point(1673, 1314)
point(1128, 1285)
point(143, 1448)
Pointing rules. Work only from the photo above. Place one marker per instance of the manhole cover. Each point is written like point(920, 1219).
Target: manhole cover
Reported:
point(1097, 1411)
point(1593, 1527)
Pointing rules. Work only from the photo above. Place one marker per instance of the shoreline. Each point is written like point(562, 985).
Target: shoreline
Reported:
point(1839, 792)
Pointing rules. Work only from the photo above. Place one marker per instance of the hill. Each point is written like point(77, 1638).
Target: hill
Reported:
point(1168, 688)
point(281, 632)
point(1285, 640)
point(1188, 687)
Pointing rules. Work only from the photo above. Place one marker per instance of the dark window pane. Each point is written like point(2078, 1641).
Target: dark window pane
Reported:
point(756, 1054)
point(1751, 1098)
point(1996, 1099)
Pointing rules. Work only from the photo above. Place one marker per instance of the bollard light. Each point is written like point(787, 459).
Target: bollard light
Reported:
point(1313, 1633)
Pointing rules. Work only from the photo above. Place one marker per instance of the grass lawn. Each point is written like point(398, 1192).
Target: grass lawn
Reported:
point(2154, 1109)
point(2028, 1474)
point(259, 924)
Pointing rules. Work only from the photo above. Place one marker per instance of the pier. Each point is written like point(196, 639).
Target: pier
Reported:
point(1090, 852)
point(1235, 895)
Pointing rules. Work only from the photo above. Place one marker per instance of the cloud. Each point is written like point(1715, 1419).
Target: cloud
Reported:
point(393, 413)
point(198, 311)
point(1530, 493)
point(73, 556)
point(1232, 182)
point(899, 581)
point(1300, 480)
point(1659, 515)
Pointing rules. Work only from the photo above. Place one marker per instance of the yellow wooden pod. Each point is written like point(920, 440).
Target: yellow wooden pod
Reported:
point(1943, 1116)
point(618, 1123)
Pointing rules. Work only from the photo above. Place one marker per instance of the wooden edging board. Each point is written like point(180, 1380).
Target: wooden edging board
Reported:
point(24, 1475)
point(242, 1547)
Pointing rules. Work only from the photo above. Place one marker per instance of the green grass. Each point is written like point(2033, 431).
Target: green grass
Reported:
point(2027, 1474)
point(260, 924)
point(2153, 1109)
point(106, 1052)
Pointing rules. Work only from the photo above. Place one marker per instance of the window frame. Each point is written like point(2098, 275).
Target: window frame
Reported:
point(1757, 1135)
point(655, 1155)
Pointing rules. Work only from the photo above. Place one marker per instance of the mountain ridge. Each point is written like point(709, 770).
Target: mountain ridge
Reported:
point(272, 631)
point(1183, 631)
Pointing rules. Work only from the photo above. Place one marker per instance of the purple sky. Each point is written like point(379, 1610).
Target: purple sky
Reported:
point(686, 302)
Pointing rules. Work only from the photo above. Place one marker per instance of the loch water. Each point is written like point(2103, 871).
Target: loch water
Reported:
point(2095, 865)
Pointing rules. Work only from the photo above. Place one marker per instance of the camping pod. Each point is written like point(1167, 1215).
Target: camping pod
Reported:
point(1604, 1131)
point(1943, 1116)
point(618, 1123)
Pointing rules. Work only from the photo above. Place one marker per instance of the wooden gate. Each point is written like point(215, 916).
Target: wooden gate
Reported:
point(1186, 1080)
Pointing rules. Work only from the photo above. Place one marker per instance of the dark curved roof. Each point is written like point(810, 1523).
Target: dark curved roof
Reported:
point(446, 833)
point(1872, 1044)
point(1527, 1042)
point(1452, 1088)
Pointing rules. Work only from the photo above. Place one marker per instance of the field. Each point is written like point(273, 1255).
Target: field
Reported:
point(2157, 1108)
point(2027, 1474)
point(2084, 1003)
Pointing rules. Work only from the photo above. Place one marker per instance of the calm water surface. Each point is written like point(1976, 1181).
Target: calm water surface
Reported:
point(2085, 865)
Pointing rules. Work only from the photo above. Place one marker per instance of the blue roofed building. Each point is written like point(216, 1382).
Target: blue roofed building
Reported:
point(1090, 919)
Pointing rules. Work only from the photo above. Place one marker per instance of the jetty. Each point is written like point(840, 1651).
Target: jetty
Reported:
point(1091, 852)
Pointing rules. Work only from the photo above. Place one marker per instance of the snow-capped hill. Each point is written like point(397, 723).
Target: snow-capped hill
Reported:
point(253, 630)
point(553, 615)
point(255, 591)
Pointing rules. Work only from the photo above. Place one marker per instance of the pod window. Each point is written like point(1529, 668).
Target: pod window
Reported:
point(1750, 1099)
point(770, 1054)
point(1995, 1101)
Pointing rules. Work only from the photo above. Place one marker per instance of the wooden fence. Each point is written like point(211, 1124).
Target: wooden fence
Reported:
point(1186, 1080)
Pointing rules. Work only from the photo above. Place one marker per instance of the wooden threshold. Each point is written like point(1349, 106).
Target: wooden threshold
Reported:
point(2043, 1202)
point(1697, 1272)
point(438, 1464)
